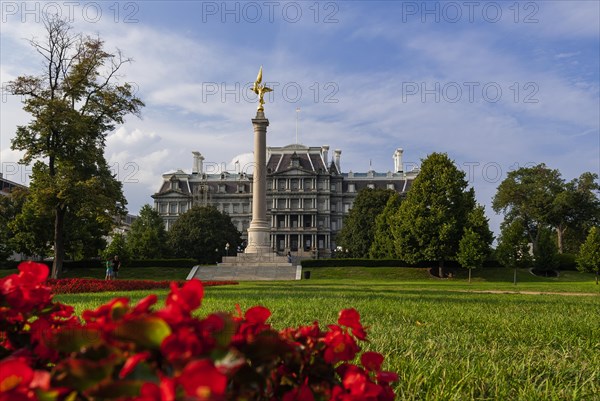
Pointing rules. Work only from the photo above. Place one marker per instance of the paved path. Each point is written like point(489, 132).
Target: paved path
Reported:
point(573, 294)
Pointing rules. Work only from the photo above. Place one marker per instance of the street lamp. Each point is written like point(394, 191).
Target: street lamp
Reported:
point(227, 249)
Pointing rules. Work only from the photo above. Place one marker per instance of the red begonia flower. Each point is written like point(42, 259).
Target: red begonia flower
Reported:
point(202, 380)
point(14, 372)
point(33, 272)
point(349, 318)
point(372, 361)
point(257, 315)
point(188, 297)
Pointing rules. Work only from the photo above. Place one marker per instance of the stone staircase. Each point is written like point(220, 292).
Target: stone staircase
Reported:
point(249, 267)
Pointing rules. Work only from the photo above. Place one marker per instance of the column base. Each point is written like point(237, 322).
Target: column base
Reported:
point(259, 238)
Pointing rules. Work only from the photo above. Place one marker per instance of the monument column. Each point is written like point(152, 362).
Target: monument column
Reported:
point(259, 232)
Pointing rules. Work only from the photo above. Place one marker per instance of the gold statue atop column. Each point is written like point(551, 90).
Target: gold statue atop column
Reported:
point(260, 90)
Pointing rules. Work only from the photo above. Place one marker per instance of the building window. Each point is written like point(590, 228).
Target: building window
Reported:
point(295, 204)
point(347, 207)
point(332, 187)
point(222, 188)
point(294, 183)
point(241, 188)
point(333, 225)
point(372, 186)
point(183, 207)
point(236, 208)
point(390, 186)
point(172, 208)
point(163, 208)
point(351, 187)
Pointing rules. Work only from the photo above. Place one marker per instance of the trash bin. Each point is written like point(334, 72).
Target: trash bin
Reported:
point(306, 275)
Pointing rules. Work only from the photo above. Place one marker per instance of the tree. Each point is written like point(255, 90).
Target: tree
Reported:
point(75, 102)
point(10, 207)
point(588, 259)
point(545, 255)
point(202, 233)
point(117, 246)
point(513, 246)
point(383, 240)
point(575, 210)
point(147, 238)
point(540, 198)
point(358, 231)
point(431, 220)
point(474, 246)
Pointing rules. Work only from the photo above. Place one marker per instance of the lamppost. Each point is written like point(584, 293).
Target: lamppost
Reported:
point(227, 249)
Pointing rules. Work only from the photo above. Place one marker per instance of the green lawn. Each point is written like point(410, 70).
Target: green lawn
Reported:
point(446, 344)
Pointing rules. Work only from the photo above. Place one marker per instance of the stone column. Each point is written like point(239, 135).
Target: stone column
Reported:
point(258, 232)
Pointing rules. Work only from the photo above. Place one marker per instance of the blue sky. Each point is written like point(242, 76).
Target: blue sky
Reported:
point(497, 85)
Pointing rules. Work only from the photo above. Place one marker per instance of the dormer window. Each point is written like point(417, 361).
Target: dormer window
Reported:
point(174, 185)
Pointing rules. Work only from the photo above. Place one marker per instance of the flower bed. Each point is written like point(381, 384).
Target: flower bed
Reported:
point(79, 285)
point(135, 353)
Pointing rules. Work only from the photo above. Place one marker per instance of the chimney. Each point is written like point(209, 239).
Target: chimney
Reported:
point(337, 154)
point(197, 166)
point(325, 154)
point(398, 160)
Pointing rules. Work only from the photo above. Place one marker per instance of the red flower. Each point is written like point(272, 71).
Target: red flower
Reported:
point(181, 345)
point(202, 380)
point(188, 297)
point(351, 318)
point(33, 272)
point(153, 392)
point(257, 315)
point(302, 393)
point(372, 361)
point(14, 373)
point(340, 346)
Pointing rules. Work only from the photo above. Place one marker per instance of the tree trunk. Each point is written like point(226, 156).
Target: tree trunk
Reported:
point(559, 239)
point(470, 275)
point(59, 244)
point(596, 277)
point(441, 269)
point(515, 277)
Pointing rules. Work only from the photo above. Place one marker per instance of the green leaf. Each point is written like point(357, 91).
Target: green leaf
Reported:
point(147, 332)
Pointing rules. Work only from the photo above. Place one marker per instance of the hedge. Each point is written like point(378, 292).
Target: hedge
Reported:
point(99, 263)
point(309, 263)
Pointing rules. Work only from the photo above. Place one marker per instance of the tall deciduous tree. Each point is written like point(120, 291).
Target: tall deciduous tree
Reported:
point(75, 102)
point(147, 238)
point(383, 241)
point(513, 246)
point(202, 233)
point(588, 258)
point(431, 220)
point(474, 246)
point(358, 231)
point(575, 210)
point(540, 198)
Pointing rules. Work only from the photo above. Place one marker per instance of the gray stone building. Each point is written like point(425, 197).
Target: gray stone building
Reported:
point(307, 195)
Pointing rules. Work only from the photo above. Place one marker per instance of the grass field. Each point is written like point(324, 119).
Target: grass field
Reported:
point(446, 341)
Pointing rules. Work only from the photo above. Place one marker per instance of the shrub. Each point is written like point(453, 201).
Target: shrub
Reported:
point(136, 353)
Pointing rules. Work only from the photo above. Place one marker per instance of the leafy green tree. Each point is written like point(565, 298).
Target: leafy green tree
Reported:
point(575, 210)
point(199, 232)
point(75, 102)
point(540, 198)
point(474, 246)
point(588, 259)
point(147, 238)
point(545, 255)
point(383, 241)
point(513, 246)
point(10, 207)
point(431, 220)
point(358, 231)
point(117, 246)
point(31, 227)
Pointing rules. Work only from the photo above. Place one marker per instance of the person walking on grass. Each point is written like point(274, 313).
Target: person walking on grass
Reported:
point(116, 265)
point(110, 274)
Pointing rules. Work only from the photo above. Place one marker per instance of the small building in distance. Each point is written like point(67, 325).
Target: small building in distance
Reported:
point(308, 195)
